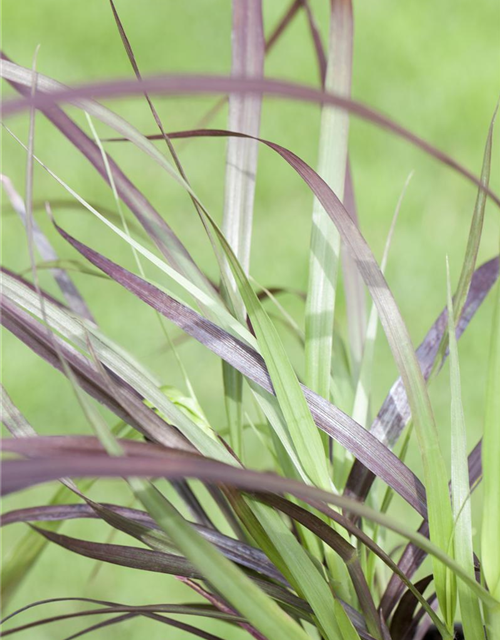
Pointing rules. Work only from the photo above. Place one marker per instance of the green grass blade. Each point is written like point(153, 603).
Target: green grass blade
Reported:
point(473, 240)
point(241, 169)
point(462, 539)
point(490, 549)
point(303, 431)
point(325, 238)
point(260, 610)
point(354, 288)
point(362, 397)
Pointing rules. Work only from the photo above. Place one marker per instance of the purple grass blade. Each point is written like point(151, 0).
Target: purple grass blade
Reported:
point(282, 25)
point(106, 603)
point(395, 411)
point(47, 252)
point(220, 604)
point(406, 608)
point(204, 84)
point(125, 556)
point(155, 561)
point(235, 550)
point(112, 607)
point(317, 42)
point(101, 625)
point(12, 418)
point(112, 610)
point(328, 417)
point(244, 117)
point(143, 460)
point(247, 59)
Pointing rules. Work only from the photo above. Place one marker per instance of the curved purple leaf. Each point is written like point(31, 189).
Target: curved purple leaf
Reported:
point(204, 84)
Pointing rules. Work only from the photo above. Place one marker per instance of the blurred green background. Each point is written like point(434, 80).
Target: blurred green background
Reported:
point(432, 66)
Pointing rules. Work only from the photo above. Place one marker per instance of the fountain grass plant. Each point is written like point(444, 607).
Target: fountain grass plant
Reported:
point(307, 553)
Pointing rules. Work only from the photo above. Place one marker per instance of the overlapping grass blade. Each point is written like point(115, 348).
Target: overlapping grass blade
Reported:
point(199, 294)
point(286, 386)
point(295, 554)
point(234, 586)
point(412, 557)
point(32, 333)
point(235, 550)
point(156, 227)
point(395, 411)
point(183, 609)
point(47, 252)
point(405, 610)
point(18, 474)
point(176, 624)
point(339, 426)
point(343, 549)
point(362, 397)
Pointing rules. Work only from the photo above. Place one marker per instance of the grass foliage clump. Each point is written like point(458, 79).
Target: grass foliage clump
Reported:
point(310, 547)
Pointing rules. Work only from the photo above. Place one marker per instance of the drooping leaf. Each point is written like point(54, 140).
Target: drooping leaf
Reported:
point(19, 474)
point(150, 219)
point(195, 85)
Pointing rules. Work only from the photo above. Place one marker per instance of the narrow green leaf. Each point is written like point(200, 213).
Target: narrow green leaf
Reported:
point(490, 549)
point(303, 431)
point(462, 537)
point(247, 39)
point(473, 241)
point(325, 238)
point(362, 397)
point(260, 610)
